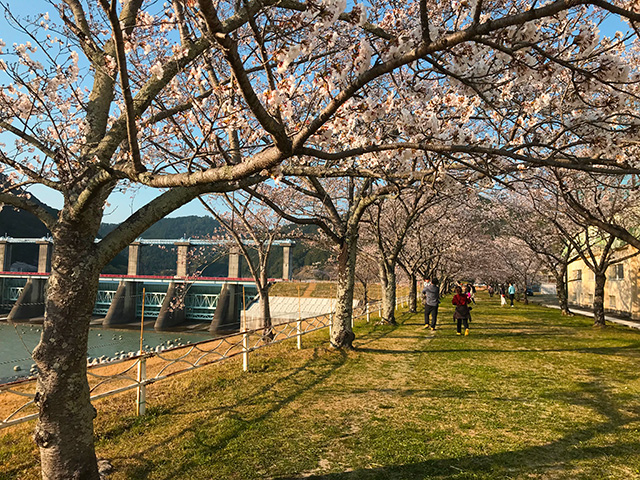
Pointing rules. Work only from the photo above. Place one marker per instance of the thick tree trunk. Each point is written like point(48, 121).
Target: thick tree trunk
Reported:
point(389, 297)
point(598, 300)
point(341, 332)
point(64, 431)
point(561, 292)
point(413, 293)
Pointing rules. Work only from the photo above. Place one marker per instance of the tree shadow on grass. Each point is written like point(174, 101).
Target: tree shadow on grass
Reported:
point(527, 327)
point(303, 377)
point(388, 351)
point(630, 351)
point(506, 465)
point(541, 460)
point(479, 330)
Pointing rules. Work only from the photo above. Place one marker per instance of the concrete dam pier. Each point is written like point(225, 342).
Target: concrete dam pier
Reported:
point(170, 301)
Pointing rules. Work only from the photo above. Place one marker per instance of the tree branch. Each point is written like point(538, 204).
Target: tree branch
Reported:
point(24, 204)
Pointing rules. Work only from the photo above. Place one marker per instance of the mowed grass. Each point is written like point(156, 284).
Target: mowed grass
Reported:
point(328, 290)
point(528, 395)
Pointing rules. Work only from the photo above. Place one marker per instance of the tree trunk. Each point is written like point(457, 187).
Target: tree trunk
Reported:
point(413, 293)
point(445, 285)
point(598, 300)
point(265, 311)
point(526, 297)
point(561, 292)
point(389, 297)
point(64, 432)
point(365, 292)
point(341, 332)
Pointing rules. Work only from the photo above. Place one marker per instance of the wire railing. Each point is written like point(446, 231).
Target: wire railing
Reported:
point(139, 371)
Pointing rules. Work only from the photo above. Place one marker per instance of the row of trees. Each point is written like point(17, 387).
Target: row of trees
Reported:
point(342, 107)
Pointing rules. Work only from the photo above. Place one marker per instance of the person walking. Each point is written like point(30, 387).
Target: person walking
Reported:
point(462, 311)
point(512, 292)
point(503, 295)
point(470, 292)
point(431, 294)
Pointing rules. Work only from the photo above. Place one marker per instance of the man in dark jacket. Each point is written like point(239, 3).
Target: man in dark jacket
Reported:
point(431, 295)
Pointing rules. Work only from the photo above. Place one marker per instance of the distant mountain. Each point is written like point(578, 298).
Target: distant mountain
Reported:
point(162, 260)
point(22, 224)
point(19, 223)
point(179, 227)
point(155, 260)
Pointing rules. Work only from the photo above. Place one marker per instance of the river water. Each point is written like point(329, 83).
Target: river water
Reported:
point(17, 341)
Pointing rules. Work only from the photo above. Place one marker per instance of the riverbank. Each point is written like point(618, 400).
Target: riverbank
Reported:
point(17, 341)
point(528, 395)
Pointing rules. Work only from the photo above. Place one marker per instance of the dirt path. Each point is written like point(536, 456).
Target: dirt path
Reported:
point(309, 290)
point(382, 382)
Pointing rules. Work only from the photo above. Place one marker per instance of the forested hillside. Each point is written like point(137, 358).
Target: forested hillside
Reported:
point(156, 260)
point(22, 224)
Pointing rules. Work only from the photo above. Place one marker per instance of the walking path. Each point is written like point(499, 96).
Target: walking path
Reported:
point(609, 318)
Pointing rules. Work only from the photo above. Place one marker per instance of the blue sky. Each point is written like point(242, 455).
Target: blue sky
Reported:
point(121, 204)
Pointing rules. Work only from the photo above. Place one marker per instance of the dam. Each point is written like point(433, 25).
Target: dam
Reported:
point(169, 301)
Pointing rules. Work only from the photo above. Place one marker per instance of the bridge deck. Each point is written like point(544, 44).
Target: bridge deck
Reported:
point(146, 278)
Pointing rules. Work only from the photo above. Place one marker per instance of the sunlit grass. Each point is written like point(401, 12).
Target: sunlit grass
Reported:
point(528, 395)
point(327, 290)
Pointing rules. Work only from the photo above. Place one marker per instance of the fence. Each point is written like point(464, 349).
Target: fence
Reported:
point(139, 371)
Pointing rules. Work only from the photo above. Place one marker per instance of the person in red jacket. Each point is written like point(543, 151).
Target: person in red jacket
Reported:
point(462, 312)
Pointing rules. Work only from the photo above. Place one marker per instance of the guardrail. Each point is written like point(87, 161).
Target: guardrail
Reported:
point(137, 372)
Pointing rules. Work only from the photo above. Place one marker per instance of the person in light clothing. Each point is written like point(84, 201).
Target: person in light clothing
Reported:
point(503, 296)
point(431, 294)
point(512, 292)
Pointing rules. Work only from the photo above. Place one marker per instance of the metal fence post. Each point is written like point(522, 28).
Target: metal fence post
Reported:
point(245, 351)
point(245, 336)
point(141, 394)
point(299, 322)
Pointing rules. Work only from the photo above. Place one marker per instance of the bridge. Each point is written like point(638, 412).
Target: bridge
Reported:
point(168, 300)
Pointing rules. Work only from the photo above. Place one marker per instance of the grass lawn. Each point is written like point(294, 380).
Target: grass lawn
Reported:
point(528, 395)
point(327, 290)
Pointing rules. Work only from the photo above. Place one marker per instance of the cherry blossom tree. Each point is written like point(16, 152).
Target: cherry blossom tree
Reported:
point(521, 264)
point(423, 248)
point(554, 250)
point(199, 96)
point(529, 215)
point(388, 221)
point(441, 241)
point(613, 202)
point(335, 207)
point(366, 271)
point(545, 208)
point(247, 220)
